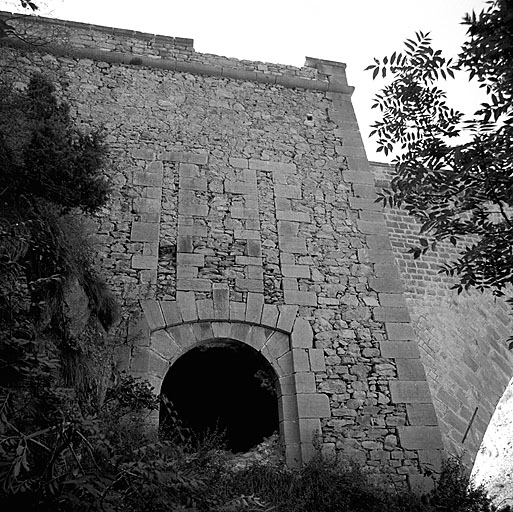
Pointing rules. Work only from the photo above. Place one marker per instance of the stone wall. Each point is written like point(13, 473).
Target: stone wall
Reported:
point(463, 339)
point(243, 209)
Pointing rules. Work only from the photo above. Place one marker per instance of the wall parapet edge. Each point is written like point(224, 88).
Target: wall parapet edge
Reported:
point(286, 77)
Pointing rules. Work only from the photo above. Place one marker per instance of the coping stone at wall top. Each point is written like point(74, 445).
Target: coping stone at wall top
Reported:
point(181, 41)
point(291, 82)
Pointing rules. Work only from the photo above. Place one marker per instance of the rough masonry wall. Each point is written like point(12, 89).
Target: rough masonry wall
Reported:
point(463, 339)
point(243, 209)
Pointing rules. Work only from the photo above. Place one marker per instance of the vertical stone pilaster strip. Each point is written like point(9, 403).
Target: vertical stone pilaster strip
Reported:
point(244, 212)
point(147, 182)
point(292, 244)
point(192, 211)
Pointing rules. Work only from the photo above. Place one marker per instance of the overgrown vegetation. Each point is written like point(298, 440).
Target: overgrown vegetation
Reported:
point(53, 367)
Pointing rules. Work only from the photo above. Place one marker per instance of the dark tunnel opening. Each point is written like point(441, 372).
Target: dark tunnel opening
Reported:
point(225, 387)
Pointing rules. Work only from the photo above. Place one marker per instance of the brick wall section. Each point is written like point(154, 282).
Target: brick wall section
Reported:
point(243, 208)
point(462, 338)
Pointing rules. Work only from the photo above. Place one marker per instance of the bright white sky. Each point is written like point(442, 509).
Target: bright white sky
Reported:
point(285, 31)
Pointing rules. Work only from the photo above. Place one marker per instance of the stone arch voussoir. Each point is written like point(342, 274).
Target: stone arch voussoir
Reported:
point(168, 329)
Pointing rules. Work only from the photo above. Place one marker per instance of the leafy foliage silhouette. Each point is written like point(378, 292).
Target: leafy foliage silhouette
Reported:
point(460, 192)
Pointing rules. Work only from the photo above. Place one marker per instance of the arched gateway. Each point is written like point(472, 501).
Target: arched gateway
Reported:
point(170, 339)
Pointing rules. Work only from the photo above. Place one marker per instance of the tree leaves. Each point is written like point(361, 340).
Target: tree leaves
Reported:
point(458, 192)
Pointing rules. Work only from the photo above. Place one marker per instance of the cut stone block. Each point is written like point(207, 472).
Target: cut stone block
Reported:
point(292, 216)
point(240, 163)
point(255, 304)
point(381, 284)
point(317, 361)
point(145, 232)
point(257, 337)
point(183, 335)
point(420, 438)
point(313, 405)
point(162, 343)
point(293, 455)
point(237, 311)
point(302, 334)
point(285, 364)
point(392, 300)
point(188, 170)
point(288, 408)
point(153, 314)
point(270, 315)
point(143, 154)
point(196, 284)
point(140, 262)
point(194, 260)
point(205, 309)
point(222, 329)
point(410, 369)
point(309, 429)
point(293, 245)
point(203, 331)
point(287, 317)
point(290, 431)
point(249, 285)
point(298, 271)
point(288, 191)
point(220, 293)
point(371, 227)
point(358, 177)
point(399, 349)
point(278, 344)
point(287, 385)
point(399, 331)
point(184, 243)
point(146, 205)
point(187, 303)
point(188, 158)
point(305, 382)
point(171, 312)
point(410, 392)
point(240, 332)
point(147, 179)
point(391, 314)
point(300, 298)
point(421, 414)
point(300, 360)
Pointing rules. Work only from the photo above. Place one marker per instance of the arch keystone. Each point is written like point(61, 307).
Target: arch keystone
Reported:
point(222, 329)
point(203, 331)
